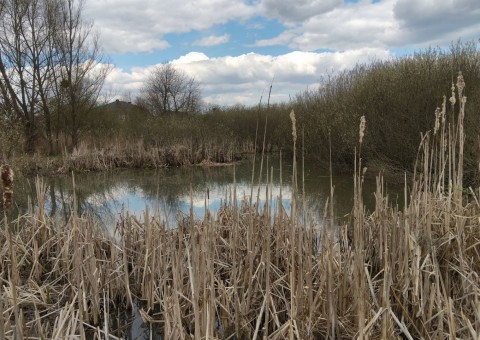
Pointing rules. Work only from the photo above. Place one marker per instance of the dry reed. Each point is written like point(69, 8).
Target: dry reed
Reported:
point(251, 272)
point(139, 155)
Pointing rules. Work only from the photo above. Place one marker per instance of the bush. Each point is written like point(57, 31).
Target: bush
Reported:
point(398, 98)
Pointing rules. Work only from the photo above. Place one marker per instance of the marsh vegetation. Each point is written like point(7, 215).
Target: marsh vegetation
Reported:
point(253, 268)
point(252, 271)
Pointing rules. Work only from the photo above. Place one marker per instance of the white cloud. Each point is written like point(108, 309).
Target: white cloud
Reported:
point(144, 26)
point(296, 11)
point(355, 32)
point(212, 40)
point(383, 24)
point(351, 26)
point(242, 79)
point(131, 26)
point(191, 57)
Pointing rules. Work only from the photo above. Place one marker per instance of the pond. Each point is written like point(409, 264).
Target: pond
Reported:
point(175, 192)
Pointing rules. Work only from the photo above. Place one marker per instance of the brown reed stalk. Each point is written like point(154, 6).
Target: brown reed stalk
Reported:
point(358, 239)
point(293, 238)
point(2, 320)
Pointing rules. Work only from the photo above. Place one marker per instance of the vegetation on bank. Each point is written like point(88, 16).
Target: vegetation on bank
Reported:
point(398, 98)
point(252, 271)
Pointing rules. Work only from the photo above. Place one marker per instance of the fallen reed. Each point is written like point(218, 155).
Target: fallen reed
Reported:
point(254, 272)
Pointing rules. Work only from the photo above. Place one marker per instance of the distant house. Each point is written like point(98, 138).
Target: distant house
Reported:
point(115, 119)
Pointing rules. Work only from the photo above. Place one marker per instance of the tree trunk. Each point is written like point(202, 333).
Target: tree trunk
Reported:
point(29, 138)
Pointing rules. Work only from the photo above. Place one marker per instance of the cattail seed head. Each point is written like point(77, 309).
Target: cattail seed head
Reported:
point(444, 109)
point(362, 128)
point(460, 84)
point(438, 114)
point(452, 98)
point(294, 126)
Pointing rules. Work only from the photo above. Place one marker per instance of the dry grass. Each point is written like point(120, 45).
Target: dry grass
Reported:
point(138, 155)
point(251, 273)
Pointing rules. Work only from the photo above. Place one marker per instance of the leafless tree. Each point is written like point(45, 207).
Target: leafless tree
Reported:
point(168, 89)
point(50, 62)
point(22, 37)
point(81, 70)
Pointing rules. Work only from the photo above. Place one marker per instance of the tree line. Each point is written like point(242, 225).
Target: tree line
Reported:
point(52, 71)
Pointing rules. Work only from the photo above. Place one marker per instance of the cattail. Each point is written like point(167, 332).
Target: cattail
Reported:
point(452, 98)
point(438, 114)
point(7, 180)
point(364, 171)
point(294, 126)
point(444, 109)
point(460, 84)
point(362, 128)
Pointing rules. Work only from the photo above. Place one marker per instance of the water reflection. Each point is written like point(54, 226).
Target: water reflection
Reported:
point(174, 190)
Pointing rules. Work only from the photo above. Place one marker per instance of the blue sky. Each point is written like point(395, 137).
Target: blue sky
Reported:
point(235, 48)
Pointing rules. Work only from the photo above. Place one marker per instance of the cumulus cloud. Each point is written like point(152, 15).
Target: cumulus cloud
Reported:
point(127, 26)
point(439, 22)
point(350, 26)
point(242, 79)
point(354, 32)
point(212, 40)
point(384, 24)
point(297, 11)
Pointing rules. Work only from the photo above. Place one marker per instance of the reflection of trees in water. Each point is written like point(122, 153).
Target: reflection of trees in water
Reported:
point(100, 194)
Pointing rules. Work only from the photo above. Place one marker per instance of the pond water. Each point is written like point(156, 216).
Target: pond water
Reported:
point(175, 191)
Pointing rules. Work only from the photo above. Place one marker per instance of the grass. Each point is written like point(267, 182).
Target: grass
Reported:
point(253, 272)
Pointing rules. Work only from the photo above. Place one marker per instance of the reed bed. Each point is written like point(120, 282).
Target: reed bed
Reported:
point(254, 272)
point(139, 155)
point(244, 274)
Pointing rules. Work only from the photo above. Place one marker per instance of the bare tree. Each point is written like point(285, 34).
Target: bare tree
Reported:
point(50, 63)
point(168, 89)
point(81, 71)
point(21, 36)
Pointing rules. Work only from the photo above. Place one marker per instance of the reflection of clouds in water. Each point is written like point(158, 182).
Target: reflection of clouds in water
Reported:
point(221, 193)
point(134, 200)
point(168, 191)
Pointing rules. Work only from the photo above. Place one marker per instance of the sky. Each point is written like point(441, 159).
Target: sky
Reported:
point(235, 49)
